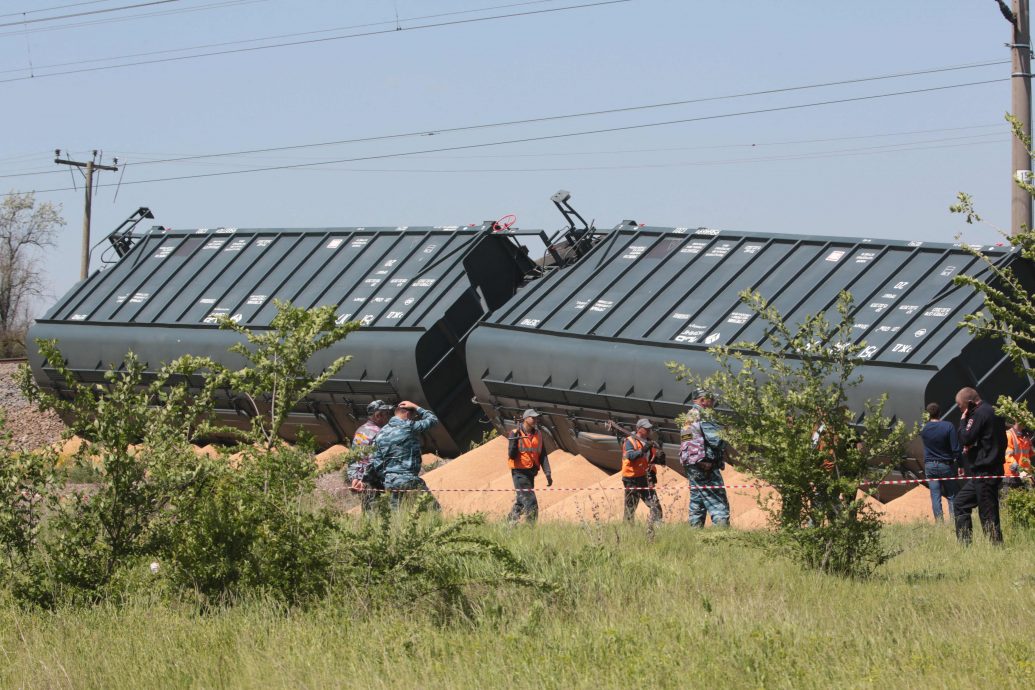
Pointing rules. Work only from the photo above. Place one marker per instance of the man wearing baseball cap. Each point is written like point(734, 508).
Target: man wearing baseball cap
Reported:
point(378, 413)
point(639, 454)
point(525, 455)
point(397, 452)
point(702, 453)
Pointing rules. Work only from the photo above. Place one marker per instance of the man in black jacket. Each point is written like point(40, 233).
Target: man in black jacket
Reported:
point(983, 437)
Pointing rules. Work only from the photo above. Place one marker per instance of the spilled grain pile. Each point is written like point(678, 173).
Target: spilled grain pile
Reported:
point(486, 467)
point(913, 506)
point(605, 501)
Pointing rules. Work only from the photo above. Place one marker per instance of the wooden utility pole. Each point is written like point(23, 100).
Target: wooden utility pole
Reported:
point(1020, 46)
point(91, 166)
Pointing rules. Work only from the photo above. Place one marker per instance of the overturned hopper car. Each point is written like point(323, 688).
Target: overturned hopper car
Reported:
point(588, 344)
point(417, 290)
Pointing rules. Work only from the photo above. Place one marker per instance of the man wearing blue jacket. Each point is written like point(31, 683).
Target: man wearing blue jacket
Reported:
point(396, 460)
point(941, 460)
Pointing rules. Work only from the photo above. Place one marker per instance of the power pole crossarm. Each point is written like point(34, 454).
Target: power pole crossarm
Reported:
point(91, 166)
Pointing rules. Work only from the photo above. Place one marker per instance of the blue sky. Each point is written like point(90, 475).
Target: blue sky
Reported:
point(885, 167)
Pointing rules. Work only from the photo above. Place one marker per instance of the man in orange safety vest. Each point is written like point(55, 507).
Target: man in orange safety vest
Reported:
point(526, 454)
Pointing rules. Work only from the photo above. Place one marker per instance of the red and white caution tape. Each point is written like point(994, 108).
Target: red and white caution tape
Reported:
point(884, 482)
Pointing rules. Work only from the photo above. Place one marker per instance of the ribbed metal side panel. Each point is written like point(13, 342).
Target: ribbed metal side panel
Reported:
point(591, 341)
point(417, 291)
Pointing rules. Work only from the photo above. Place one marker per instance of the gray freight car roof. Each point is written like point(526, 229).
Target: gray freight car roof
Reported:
point(679, 287)
point(418, 291)
point(384, 277)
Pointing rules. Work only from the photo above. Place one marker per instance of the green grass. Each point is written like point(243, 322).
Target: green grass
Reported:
point(689, 610)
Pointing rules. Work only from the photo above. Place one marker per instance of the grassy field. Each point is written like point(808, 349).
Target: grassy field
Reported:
point(689, 610)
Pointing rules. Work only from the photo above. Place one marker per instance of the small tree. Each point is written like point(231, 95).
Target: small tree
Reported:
point(279, 376)
point(786, 418)
point(1009, 310)
point(25, 230)
point(93, 533)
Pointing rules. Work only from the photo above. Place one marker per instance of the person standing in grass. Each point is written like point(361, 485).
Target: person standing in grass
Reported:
point(941, 460)
point(526, 454)
point(1017, 467)
point(396, 460)
point(983, 436)
point(378, 413)
point(702, 453)
point(639, 476)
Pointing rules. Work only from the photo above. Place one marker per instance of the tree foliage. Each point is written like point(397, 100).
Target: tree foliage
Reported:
point(219, 529)
point(785, 414)
point(26, 228)
point(1008, 314)
point(278, 378)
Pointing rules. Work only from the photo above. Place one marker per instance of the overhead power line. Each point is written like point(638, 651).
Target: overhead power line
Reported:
point(550, 137)
point(818, 155)
point(552, 118)
point(666, 149)
point(206, 46)
point(25, 31)
point(911, 145)
point(326, 39)
point(52, 9)
point(104, 10)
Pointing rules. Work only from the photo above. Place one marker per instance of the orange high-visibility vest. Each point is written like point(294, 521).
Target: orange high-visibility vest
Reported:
point(637, 467)
point(530, 451)
point(1018, 450)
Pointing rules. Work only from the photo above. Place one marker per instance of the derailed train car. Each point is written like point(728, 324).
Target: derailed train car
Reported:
point(417, 290)
point(460, 319)
point(588, 344)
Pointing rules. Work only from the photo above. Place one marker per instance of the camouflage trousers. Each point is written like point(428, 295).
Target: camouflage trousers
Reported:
point(525, 502)
point(638, 489)
point(407, 487)
point(703, 501)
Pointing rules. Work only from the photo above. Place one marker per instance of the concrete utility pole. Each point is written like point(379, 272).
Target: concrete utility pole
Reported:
point(91, 166)
point(1020, 47)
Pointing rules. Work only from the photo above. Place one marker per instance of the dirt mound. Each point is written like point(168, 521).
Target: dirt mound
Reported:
point(485, 467)
point(913, 506)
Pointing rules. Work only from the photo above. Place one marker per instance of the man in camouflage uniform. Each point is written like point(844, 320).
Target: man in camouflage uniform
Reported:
point(702, 453)
point(396, 460)
point(378, 413)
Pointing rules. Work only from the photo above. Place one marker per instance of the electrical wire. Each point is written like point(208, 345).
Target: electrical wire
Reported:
point(552, 118)
point(612, 152)
point(127, 18)
point(554, 137)
point(949, 141)
point(393, 30)
point(51, 9)
point(89, 12)
point(206, 46)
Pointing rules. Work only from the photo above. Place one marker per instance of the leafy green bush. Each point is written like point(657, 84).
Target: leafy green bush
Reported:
point(1020, 507)
point(251, 529)
point(419, 559)
point(786, 417)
